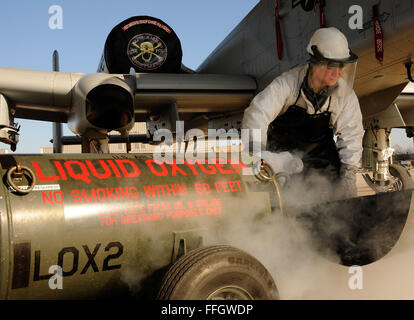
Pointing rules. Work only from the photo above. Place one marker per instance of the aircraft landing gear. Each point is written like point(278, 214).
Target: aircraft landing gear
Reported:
point(95, 142)
point(377, 156)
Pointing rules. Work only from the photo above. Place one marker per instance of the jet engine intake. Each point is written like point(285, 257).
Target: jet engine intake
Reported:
point(109, 106)
point(102, 103)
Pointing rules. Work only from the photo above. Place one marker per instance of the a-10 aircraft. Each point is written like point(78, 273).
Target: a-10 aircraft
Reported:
point(118, 219)
point(164, 91)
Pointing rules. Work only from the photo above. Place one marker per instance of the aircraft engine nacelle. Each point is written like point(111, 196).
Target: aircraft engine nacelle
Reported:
point(102, 103)
point(144, 43)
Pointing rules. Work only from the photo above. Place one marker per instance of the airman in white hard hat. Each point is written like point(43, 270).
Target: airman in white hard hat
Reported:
point(302, 110)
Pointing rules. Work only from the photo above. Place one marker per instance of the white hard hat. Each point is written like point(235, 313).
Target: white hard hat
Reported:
point(330, 44)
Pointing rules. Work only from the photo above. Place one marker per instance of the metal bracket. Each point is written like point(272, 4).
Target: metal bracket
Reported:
point(382, 186)
point(9, 131)
point(164, 120)
point(15, 174)
point(185, 241)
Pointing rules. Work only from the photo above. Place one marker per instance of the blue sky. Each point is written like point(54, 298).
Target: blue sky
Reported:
point(28, 42)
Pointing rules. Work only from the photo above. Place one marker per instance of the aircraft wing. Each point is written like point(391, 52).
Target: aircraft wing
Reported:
point(193, 93)
point(38, 95)
point(55, 96)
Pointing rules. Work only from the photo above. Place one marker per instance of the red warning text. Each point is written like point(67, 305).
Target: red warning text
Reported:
point(161, 211)
point(104, 194)
point(87, 170)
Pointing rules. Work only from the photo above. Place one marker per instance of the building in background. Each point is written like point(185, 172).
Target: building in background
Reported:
point(141, 128)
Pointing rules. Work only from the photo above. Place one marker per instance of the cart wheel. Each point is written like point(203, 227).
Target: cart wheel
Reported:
point(217, 273)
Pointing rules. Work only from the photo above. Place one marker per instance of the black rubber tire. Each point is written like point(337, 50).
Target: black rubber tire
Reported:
point(402, 173)
point(147, 29)
point(203, 271)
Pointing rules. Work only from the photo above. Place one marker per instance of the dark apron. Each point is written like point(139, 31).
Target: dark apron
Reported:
point(307, 135)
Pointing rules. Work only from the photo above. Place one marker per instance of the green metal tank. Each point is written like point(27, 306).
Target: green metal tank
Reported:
point(126, 224)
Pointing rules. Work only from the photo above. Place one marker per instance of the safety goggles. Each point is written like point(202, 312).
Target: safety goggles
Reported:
point(318, 59)
point(331, 64)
